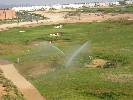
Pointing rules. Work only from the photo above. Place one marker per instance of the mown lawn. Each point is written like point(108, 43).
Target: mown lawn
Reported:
point(108, 40)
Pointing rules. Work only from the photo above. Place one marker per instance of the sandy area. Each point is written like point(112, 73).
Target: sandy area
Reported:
point(59, 17)
point(84, 17)
point(27, 89)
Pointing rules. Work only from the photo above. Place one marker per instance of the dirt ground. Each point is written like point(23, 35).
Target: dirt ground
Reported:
point(27, 89)
point(84, 17)
point(59, 17)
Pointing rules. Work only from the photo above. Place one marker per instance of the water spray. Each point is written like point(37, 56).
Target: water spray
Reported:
point(76, 53)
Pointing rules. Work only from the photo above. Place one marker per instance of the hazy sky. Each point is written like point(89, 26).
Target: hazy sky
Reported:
point(39, 2)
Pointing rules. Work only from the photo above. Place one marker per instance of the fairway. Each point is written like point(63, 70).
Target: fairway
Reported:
point(44, 67)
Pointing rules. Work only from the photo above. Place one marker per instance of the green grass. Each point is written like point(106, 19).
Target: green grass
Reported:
point(110, 40)
point(82, 84)
point(119, 9)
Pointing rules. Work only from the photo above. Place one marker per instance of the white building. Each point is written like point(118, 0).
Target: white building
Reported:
point(32, 8)
point(75, 6)
point(103, 4)
point(106, 4)
point(90, 5)
point(22, 8)
point(114, 3)
point(41, 7)
point(129, 2)
point(72, 6)
point(58, 6)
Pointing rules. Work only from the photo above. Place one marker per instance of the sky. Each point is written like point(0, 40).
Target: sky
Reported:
point(45, 2)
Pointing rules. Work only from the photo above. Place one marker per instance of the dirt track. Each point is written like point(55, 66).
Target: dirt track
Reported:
point(27, 89)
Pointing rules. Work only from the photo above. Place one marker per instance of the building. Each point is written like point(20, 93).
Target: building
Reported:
point(75, 6)
point(22, 8)
point(58, 6)
point(90, 5)
point(114, 3)
point(101, 4)
point(129, 2)
point(66, 6)
point(31, 8)
point(7, 14)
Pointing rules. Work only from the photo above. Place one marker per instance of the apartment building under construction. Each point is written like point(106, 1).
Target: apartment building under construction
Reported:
point(7, 14)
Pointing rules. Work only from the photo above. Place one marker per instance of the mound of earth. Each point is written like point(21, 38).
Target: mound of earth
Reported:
point(98, 63)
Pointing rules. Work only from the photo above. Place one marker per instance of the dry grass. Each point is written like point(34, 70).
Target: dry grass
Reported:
point(119, 77)
point(8, 91)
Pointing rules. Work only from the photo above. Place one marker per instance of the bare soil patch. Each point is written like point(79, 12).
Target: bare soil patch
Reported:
point(59, 17)
point(27, 89)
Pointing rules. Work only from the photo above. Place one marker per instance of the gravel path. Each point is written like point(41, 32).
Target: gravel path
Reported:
point(28, 90)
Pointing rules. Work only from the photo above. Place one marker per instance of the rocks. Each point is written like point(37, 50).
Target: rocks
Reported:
point(21, 31)
point(55, 35)
point(57, 27)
